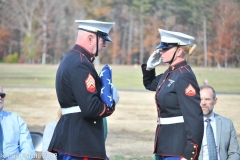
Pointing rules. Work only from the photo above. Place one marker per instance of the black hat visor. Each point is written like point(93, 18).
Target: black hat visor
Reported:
point(104, 36)
point(165, 46)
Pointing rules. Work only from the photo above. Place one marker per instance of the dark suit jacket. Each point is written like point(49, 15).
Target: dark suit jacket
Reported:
point(227, 143)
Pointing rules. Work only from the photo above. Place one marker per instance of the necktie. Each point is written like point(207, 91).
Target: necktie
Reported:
point(212, 152)
point(1, 139)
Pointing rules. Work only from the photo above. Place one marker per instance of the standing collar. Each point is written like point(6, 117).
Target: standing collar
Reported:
point(84, 52)
point(178, 65)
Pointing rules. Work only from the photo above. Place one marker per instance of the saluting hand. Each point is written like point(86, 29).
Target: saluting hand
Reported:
point(154, 60)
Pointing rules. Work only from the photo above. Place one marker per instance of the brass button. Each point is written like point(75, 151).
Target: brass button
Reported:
point(194, 146)
point(191, 158)
point(95, 122)
point(108, 109)
point(193, 152)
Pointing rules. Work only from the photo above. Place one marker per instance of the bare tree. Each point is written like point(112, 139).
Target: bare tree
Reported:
point(65, 28)
point(44, 14)
point(130, 36)
point(42, 31)
point(18, 15)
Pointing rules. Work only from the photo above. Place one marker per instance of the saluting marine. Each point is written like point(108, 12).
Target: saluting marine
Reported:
point(180, 119)
point(79, 133)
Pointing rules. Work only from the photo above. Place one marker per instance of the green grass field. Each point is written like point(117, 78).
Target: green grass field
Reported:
point(124, 77)
point(37, 103)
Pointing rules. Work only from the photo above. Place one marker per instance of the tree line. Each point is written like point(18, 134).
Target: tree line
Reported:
point(43, 31)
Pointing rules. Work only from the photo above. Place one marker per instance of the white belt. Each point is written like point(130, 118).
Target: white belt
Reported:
point(170, 120)
point(73, 109)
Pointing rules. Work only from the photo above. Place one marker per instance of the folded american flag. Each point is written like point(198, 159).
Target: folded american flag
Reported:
point(107, 86)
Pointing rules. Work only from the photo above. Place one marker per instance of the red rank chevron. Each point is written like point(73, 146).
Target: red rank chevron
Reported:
point(90, 83)
point(190, 91)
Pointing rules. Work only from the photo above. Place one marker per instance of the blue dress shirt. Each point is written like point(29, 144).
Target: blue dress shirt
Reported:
point(17, 141)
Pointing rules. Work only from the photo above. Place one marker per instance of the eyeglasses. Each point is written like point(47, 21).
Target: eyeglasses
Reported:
point(2, 95)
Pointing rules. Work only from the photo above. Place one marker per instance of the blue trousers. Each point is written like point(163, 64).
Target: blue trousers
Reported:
point(61, 156)
point(167, 158)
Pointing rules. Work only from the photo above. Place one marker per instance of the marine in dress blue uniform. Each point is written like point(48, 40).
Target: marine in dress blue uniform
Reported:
point(79, 134)
point(180, 120)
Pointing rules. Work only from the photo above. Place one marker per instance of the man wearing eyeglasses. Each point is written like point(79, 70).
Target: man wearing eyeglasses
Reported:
point(15, 138)
point(224, 143)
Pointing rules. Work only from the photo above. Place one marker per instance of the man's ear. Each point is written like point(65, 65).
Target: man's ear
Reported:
point(90, 38)
point(215, 101)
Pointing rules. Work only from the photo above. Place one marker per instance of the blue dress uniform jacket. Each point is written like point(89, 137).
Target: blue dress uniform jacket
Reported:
point(177, 94)
point(78, 84)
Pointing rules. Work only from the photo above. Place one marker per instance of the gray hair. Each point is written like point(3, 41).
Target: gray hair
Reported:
point(207, 86)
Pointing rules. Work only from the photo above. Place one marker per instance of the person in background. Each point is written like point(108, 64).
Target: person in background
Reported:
point(180, 126)
point(47, 136)
point(225, 143)
point(15, 138)
point(79, 134)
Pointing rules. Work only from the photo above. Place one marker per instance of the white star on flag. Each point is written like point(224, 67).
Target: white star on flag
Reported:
point(106, 90)
point(110, 98)
point(101, 73)
point(109, 82)
point(102, 90)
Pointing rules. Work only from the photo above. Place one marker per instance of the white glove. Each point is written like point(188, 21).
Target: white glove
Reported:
point(183, 159)
point(154, 60)
point(115, 95)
